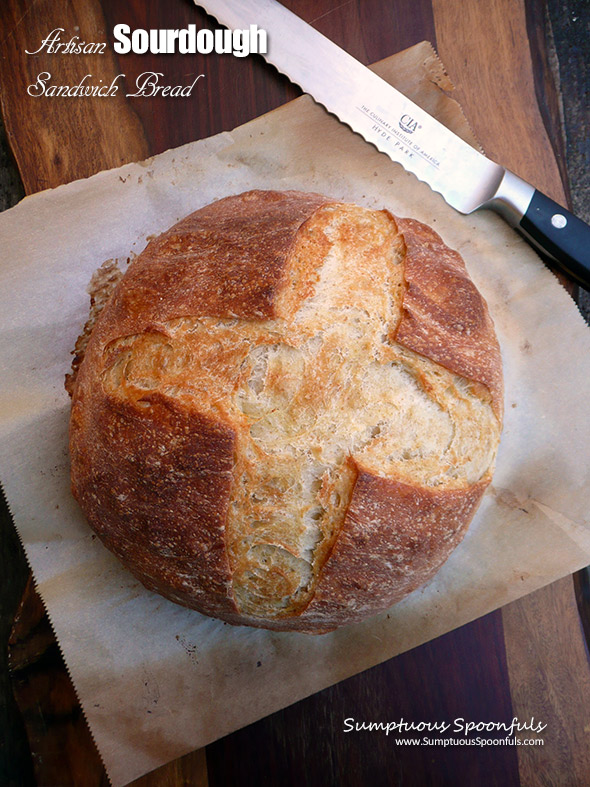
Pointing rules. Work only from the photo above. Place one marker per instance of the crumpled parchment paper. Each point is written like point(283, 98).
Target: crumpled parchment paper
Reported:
point(156, 680)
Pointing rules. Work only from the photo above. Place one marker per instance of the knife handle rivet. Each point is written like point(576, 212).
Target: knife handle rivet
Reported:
point(558, 221)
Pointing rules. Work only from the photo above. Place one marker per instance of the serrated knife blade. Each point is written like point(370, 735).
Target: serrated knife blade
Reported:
point(398, 127)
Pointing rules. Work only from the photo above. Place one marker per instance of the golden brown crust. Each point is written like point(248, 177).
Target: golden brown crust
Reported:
point(226, 260)
point(158, 463)
point(149, 472)
point(154, 483)
point(444, 317)
point(394, 538)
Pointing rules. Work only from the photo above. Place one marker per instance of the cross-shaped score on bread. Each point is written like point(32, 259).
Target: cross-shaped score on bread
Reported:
point(288, 411)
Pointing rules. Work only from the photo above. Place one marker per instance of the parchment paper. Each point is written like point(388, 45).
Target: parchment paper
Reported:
point(156, 680)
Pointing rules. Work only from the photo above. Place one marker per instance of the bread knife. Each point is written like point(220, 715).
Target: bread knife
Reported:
point(396, 126)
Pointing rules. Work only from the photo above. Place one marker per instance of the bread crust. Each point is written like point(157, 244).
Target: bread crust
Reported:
point(153, 474)
point(395, 537)
point(444, 317)
point(226, 260)
point(165, 521)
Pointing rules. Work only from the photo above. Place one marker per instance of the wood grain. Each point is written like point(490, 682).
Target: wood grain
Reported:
point(47, 698)
point(233, 90)
point(16, 766)
point(545, 644)
point(485, 48)
point(189, 771)
point(459, 675)
point(503, 103)
point(57, 140)
point(547, 83)
point(550, 681)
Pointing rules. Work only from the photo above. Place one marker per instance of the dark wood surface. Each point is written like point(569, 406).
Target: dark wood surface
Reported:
point(521, 73)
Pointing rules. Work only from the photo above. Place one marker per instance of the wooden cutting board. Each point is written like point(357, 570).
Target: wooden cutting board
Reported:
point(494, 668)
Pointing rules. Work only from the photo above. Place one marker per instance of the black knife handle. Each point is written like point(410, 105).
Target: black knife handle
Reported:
point(559, 233)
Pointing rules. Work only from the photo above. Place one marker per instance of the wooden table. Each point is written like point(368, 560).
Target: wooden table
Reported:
point(530, 658)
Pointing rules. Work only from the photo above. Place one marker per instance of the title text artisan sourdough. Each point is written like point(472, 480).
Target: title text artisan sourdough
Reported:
point(287, 411)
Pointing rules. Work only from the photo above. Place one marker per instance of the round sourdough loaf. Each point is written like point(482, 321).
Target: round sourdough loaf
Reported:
point(288, 411)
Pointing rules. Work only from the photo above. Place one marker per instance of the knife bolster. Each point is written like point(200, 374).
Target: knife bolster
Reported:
point(512, 198)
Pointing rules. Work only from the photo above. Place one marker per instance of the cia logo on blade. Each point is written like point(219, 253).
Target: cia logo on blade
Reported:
point(408, 124)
